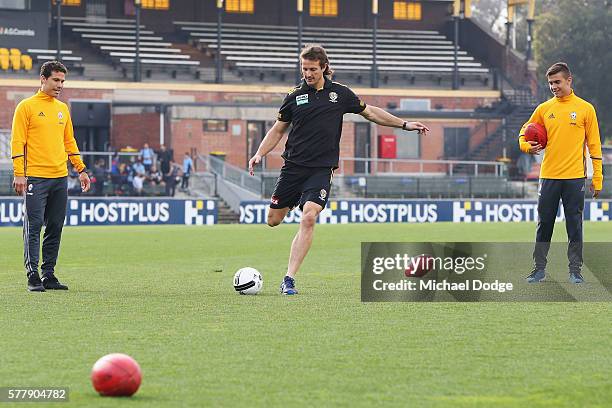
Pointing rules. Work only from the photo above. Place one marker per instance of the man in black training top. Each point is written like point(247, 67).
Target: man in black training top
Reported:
point(315, 109)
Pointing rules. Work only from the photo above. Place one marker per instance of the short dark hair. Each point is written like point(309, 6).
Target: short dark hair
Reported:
point(314, 52)
point(52, 66)
point(559, 67)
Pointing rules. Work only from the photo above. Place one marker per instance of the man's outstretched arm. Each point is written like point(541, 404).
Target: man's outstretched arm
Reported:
point(384, 118)
point(274, 135)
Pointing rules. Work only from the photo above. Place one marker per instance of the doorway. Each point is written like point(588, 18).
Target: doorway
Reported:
point(362, 148)
point(91, 121)
point(256, 131)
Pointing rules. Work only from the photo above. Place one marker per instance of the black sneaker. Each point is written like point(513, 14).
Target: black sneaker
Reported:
point(576, 277)
point(34, 283)
point(537, 275)
point(50, 282)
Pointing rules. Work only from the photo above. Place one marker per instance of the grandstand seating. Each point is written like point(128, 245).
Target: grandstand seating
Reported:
point(4, 62)
point(408, 54)
point(116, 41)
point(71, 61)
point(26, 62)
point(14, 59)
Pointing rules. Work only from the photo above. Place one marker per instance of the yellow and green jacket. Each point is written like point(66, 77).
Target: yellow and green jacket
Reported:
point(571, 125)
point(43, 139)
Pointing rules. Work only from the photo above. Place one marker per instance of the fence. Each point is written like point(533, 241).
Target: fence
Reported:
point(231, 173)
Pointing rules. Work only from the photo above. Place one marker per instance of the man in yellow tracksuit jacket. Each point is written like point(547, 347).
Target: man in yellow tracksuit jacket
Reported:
point(571, 125)
point(42, 142)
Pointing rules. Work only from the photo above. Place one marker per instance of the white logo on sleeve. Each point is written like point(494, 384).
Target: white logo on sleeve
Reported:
point(333, 97)
point(322, 194)
point(60, 115)
point(301, 99)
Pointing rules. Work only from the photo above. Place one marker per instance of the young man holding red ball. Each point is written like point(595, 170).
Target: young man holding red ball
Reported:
point(571, 128)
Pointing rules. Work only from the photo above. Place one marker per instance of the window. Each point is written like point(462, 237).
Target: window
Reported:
point(214, 125)
point(69, 2)
point(156, 4)
point(456, 142)
point(406, 10)
point(240, 6)
point(324, 8)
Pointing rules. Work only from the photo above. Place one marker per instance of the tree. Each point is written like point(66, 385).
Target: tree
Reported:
point(493, 14)
point(579, 32)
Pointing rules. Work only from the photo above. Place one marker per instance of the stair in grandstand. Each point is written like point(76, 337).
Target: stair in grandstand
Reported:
point(491, 147)
point(204, 184)
point(520, 97)
point(225, 215)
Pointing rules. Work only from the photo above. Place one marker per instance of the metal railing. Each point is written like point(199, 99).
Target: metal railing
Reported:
point(398, 186)
point(108, 157)
point(5, 145)
point(412, 166)
point(263, 182)
point(85, 155)
point(231, 173)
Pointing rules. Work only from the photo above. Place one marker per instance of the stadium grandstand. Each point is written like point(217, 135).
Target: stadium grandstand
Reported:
point(205, 79)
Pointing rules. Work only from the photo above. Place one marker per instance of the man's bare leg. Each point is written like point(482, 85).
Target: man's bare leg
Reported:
point(276, 216)
point(303, 238)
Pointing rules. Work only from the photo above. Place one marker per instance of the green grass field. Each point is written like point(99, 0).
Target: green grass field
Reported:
point(153, 293)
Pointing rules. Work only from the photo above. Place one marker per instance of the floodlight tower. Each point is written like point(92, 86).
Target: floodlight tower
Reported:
point(374, 81)
point(300, 28)
point(512, 4)
point(59, 30)
point(137, 5)
point(219, 72)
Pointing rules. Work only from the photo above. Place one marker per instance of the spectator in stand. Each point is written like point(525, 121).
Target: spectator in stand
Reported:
point(155, 176)
point(99, 175)
point(138, 183)
point(147, 155)
point(74, 184)
point(129, 174)
point(115, 174)
point(172, 178)
point(139, 168)
point(187, 169)
point(124, 170)
point(164, 156)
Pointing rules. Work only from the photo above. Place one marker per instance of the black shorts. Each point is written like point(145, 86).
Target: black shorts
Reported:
point(298, 184)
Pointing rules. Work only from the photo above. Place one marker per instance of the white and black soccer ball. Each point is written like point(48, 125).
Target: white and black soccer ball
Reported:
point(248, 281)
